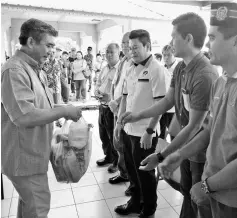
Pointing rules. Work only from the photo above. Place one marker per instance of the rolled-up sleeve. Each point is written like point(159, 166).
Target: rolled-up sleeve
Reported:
point(17, 96)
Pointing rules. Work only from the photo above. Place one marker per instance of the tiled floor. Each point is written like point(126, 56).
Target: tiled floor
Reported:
point(93, 196)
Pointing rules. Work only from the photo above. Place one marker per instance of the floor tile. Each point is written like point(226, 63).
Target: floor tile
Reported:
point(173, 197)
point(111, 191)
point(162, 184)
point(103, 176)
point(8, 187)
point(87, 180)
point(166, 213)
point(97, 209)
point(62, 198)
point(178, 209)
point(161, 202)
point(5, 207)
point(13, 209)
point(87, 194)
point(62, 212)
point(113, 202)
point(54, 185)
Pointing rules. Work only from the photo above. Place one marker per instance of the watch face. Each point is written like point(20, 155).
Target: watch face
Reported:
point(204, 187)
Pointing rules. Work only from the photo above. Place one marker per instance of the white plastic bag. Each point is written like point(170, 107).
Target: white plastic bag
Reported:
point(70, 161)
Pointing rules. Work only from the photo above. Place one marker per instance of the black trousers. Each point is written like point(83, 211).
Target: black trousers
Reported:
point(165, 123)
point(191, 173)
point(106, 131)
point(143, 182)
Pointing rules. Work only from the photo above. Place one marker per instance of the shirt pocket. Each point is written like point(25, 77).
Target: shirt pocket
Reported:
point(186, 100)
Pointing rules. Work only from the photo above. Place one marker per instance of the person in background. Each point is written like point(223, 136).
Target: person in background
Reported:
point(144, 85)
point(189, 92)
point(27, 113)
point(58, 52)
point(53, 69)
point(116, 94)
point(216, 195)
point(170, 64)
point(78, 69)
point(106, 117)
point(158, 56)
point(99, 65)
point(90, 61)
point(121, 55)
point(71, 76)
point(64, 77)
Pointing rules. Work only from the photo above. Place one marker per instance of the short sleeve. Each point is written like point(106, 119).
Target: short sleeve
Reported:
point(17, 96)
point(158, 82)
point(125, 89)
point(201, 92)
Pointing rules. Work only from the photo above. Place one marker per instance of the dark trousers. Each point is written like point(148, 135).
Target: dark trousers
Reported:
point(143, 182)
point(65, 90)
point(119, 147)
point(80, 89)
point(90, 82)
point(106, 130)
point(72, 82)
point(165, 123)
point(191, 173)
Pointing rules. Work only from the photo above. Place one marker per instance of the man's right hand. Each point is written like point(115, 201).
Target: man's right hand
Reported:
point(170, 164)
point(129, 117)
point(73, 113)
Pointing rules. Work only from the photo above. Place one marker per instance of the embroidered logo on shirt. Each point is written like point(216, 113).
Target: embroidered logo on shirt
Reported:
point(145, 72)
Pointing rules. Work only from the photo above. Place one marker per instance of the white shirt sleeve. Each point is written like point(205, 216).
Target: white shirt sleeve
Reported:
point(158, 81)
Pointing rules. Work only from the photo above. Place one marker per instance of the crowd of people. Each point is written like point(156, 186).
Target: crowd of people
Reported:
point(140, 100)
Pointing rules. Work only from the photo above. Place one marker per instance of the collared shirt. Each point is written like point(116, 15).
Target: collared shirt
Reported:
point(143, 85)
point(53, 70)
point(222, 148)
point(25, 151)
point(65, 70)
point(89, 60)
point(104, 82)
point(169, 77)
point(77, 67)
point(192, 87)
point(119, 77)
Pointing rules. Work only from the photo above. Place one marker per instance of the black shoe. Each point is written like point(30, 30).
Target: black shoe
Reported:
point(127, 208)
point(128, 192)
point(143, 215)
point(117, 179)
point(103, 162)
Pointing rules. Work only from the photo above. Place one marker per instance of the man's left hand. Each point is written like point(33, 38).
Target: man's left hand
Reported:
point(146, 141)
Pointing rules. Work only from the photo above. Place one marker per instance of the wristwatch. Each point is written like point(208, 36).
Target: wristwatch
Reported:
point(205, 187)
point(160, 157)
point(150, 131)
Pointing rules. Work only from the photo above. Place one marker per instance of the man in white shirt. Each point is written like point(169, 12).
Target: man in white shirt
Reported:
point(117, 92)
point(106, 117)
point(99, 65)
point(144, 85)
point(170, 63)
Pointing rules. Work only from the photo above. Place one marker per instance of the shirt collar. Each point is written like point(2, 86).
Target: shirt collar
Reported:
point(166, 66)
point(143, 63)
point(193, 62)
point(115, 66)
point(29, 60)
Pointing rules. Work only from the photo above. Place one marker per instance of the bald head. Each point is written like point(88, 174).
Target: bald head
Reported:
point(112, 54)
point(125, 44)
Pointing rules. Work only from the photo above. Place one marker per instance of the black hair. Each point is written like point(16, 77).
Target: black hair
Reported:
point(142, 35)
point(65, 52)
point(191, 23)
point(36, 29)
